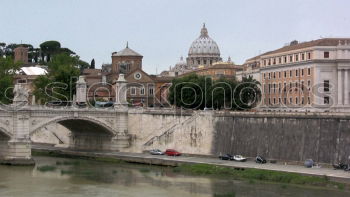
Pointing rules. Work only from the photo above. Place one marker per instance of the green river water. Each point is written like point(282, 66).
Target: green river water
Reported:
point(82, 178)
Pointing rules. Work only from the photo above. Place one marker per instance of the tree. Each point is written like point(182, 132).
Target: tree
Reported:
point(92, 65)
point(59, 83)
point(247, 94)
point(7, 70)
point(222, 93)
point(49, 48)
point(191, 91)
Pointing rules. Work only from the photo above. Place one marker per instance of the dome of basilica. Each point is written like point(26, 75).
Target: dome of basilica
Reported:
point(204, 45)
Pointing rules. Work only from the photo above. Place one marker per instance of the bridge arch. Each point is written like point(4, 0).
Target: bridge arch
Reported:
point(65, 121)
point(86, 133)
point(5, 133)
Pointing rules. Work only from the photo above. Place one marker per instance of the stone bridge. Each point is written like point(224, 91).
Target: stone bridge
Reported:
point(91, 129)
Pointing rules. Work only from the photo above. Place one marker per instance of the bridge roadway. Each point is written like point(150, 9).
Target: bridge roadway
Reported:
point(334, 175)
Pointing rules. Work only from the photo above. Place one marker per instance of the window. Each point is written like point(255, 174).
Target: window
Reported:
point(291, 58)
point(133, 91)
point(302, 85)
point(274, 88)
point(285, 74)
point(290, 73)
point(279, 74)
point(264, 76)
point(269, 101)
point(326, 100)
point(326, 54)
point(274, 75)
point(326, 85)
point(296, 73)
point(22, 81)
point(279, 60)
point(308, 100)
point(308, 71)
point(269, 88)
point(302, 72)
point(198, 62)
point(308, 55)
point(274, 101)
point(151, 91)
point(285, 59)
point(279, 87)
point(296, 57)
point(302, 100)
point(269, 75)
point(142, 91)
point(296, 100)
point(308, 83)
point(269, 62)
point(285, 87)
point(302, 56)
point(285, 100)
point(274, 60)
point(264, 62)
point(205, 62)
point(291, 100)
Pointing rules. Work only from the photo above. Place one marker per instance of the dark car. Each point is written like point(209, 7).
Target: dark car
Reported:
point(226, 157)
point(260, 159)
point(172, 152)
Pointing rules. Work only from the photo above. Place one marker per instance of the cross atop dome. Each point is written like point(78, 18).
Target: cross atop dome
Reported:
point(204, 31)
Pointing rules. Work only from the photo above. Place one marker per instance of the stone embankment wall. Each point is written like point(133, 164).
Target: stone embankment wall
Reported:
point(185, 131)
point(321, 137)
point(282, 136)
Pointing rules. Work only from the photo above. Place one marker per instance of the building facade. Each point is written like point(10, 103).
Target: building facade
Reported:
point(143, 90)
point(308, 76)
point(216, 71)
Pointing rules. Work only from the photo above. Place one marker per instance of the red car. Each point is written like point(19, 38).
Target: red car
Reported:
point(172, 152)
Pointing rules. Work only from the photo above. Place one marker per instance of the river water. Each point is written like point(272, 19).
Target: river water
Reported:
point(53, 177)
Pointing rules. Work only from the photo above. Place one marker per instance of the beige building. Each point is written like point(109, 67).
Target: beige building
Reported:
point(308, 76)
point(216, 71)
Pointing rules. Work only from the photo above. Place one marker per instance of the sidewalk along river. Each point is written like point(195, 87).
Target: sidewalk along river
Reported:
point(53, 176)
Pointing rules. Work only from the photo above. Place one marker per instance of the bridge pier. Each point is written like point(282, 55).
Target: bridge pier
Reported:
point(18, 153)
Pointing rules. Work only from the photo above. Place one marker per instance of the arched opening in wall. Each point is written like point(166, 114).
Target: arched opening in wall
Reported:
point(4, 138)
point(77, 134)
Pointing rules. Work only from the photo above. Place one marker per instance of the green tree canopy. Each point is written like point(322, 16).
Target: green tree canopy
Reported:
point(92, 64)
point(7, 71)
point(59, 83)
point(198, 92)
point(49, 48)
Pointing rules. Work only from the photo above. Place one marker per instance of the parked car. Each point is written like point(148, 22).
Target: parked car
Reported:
point(341, 166)
point(172, 152)
point(239, 158)
point(309, 163)
point(156, 152)
point(260, 159)
point(226, 157)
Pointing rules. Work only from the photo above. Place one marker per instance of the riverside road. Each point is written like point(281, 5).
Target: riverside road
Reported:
point(336, 175)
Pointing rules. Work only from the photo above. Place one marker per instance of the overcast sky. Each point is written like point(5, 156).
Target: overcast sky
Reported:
point(163, 30)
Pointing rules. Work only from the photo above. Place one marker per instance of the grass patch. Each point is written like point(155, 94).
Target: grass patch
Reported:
point(144, 170)
point(231, 194)
point(256, 174)
point(67, 163)
point(46, 168)
point(65, 155)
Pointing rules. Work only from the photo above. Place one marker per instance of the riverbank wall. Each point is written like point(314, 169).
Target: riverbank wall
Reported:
point(323, 137)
